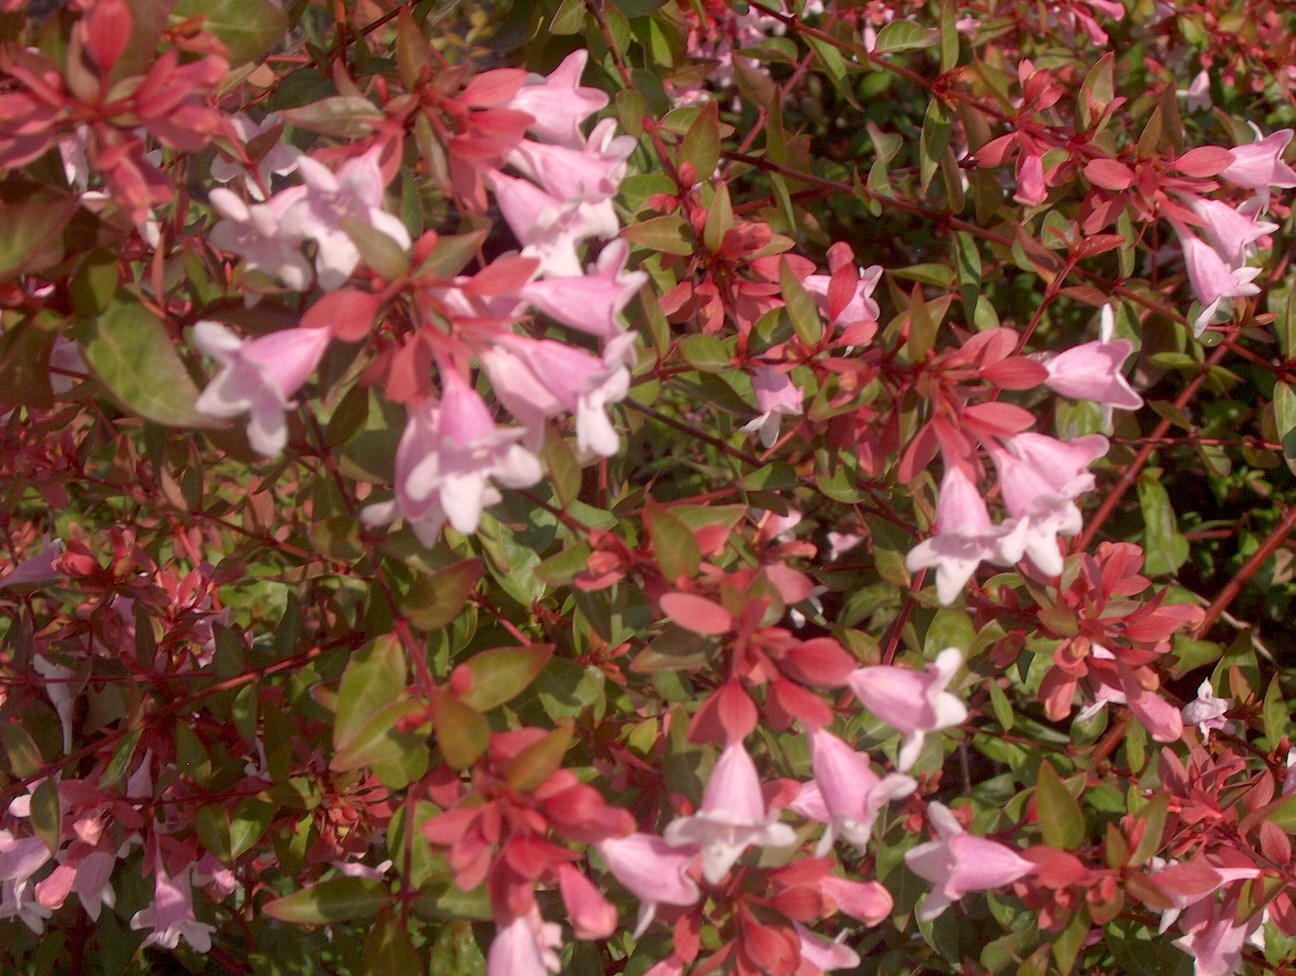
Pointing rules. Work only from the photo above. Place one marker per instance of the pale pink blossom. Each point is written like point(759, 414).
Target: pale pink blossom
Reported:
point(59, 689)
point(21, 857)
point(911, 702)
point(776, 397)
point(1092, 371)
point(37, 568)
point(1213, 939)
point(16, 901)
point(964, 537)
point(732, 818)
point(867, 901)
point(355, 193)
point(446, 460)
point(1040, 477)
point(957, 862)
point(591, 173)
point(590, 302)
point(537, 378)
point(651, 870)
point(558, 102)
point(861, 307)
point(1259, 165)
point(525, 946)
point(1206, 711)
point(258, 376)
point(279, 160)
point(548, 228)
point(823, 954)
point(1197, 94)
point(171, 915)
point(1212, 279)
point(1232, 232)
point(592, 916)
point(257, 235)
point(852, 793)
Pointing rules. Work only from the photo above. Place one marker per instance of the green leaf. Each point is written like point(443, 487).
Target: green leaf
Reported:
point(701, 145)
point(903, 35)
point(638, 8)
point(933, 140)
point(379, 740)
point(214, 831)
point(800, 306)
point(462, 733)
point(1153, 817)
point(1277, 719)
point(1166, 548)
point(389, 948)
point(252, 818)
point(377, 250)
point(949, 38)
point(344, 116)
point(538, 761)
point(25, 349)
point(46, 817)
point(115, 771)
point(664, 234)
point(719, 219)
point(249, 28)
point(336, 900)
point(828, 56)
point(1285, 324)
point(131, 354)
point(1060, 819)
point(501, 674)
point(674, 546)
point(32, 221)
point(569, 19)
point(675, 649)
point(1002, 707)
point(1284, 402)
point(374, 678)
point(706, 353)
point(433, 601)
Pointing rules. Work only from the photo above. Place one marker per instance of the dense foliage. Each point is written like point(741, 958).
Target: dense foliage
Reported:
point(647, 486)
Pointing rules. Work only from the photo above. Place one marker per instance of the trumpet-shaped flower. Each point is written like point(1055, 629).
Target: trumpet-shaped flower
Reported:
point(1259, 165)
point(733, 817)
point(525, 946)
point(852, 793)
point(1212, 279)
point(956, 863)
point(559, 103)
point(912, 702)
point(651, 870)
point(258, 376)
point(590, 302)
point(964, 537)
point(257, 235)
point(1093, 371)
point(445, 462)
point(171, 915)
point(1206, 711)
point(776, 397)
point(824, 955)
point(550, 229)
point(1232, 232)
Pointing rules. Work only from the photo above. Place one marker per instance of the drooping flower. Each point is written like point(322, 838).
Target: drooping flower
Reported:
point(1197, 95)
point(1206, 711)
point(957, 862)
point(824, 955)
point(776, 397)
point(446, 460)
point(852, 793)
point(1213, 281)
point(526, 946)
point(964, 537)
point(912, 702)
point(256, 233)
point(171, 915)
point(867, 901)
point(1259, 165)
point(258, 376)
point(592, 916)
point(1093, 371)
point(550, 229)
point(280, 159)
point(1232, 232)
point(590, 302)
point(558, 102)
point(1213, 939)
point(651, 870)
point(732, 818)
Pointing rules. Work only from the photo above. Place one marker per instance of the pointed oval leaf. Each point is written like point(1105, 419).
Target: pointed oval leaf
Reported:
point(499, 675)
point(462, 733)
point(335, 900)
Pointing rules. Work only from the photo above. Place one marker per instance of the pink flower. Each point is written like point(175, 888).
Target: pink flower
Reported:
point(280, 160)
point(258, 376)
point(732, 818)
point(1206, 711)
point(35, 569)
point(964, 537)
point(859, 306)
point(590, 302)
point(526, 946)
point(912, 702)
point(852, 793)
point(446, 459)
point(255, 233)
point(824, 955)
point(591, 173)
point(1159, 717)
point(1213, 939)
point(21, 857)
point(1093, 371)
point(537, 378)
point(1212, 279)
point(1259, 165)
point(592, 916)
point(1040, 477)
point(559, 103)
point(171, 916)
point(355, 193)
point(776, 397)
point(956, 863)
point(1231, 232)
point(1197, 93)
point(651, 870)
point(1031, 191)
point(867, 901)
point(550, 229)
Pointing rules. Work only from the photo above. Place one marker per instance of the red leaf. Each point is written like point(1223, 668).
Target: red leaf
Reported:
point(999, 418)
point(997, 150)
point(1057, 869)
point(1109, 174)
point(1204, 161)
point(1098, 244)
point(822, 662)
point(1015, 373)
point(841, 289)
point(107, 32)
point(696, 613)
point(493, 87)
point(348, 313)
point(503, 276)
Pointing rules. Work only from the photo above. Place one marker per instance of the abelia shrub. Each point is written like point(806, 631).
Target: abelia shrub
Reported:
point(646, 487)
